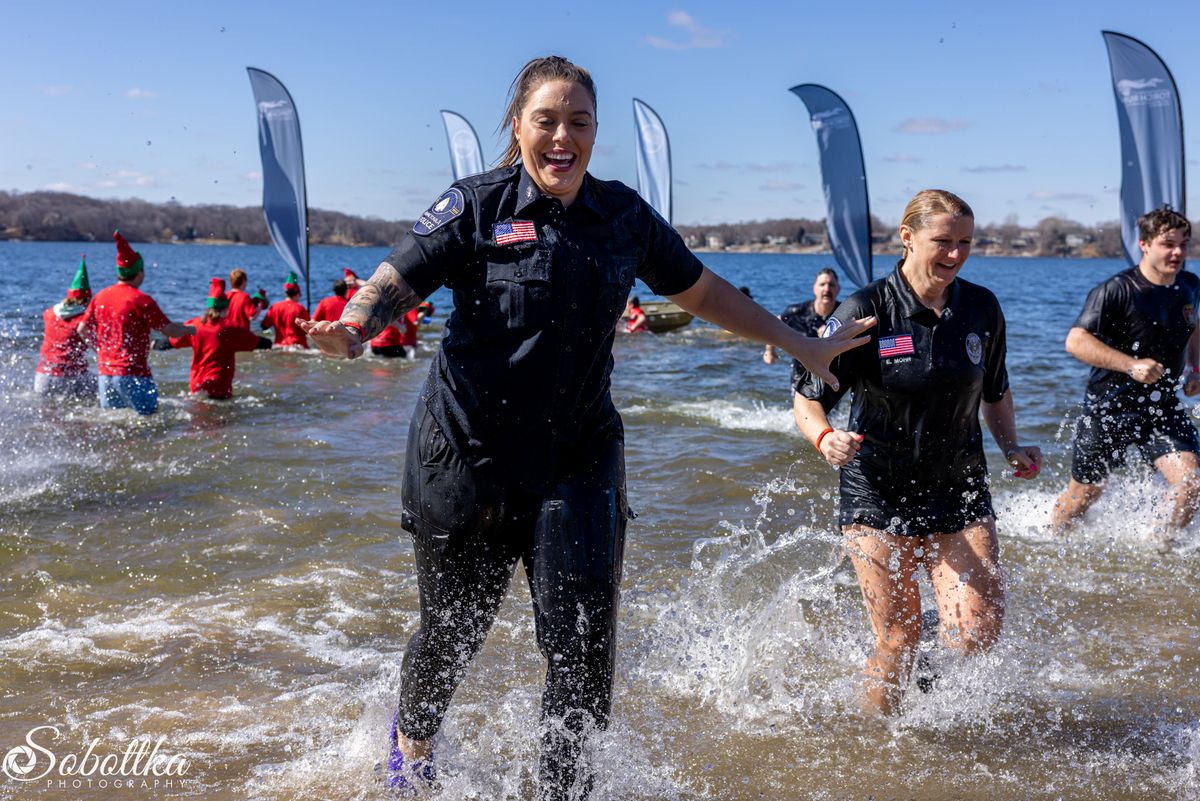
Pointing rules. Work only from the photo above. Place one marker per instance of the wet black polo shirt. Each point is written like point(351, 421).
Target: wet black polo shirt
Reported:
point(520, 386)
point(802, 317)
point(918, 383)
point(1146, 321)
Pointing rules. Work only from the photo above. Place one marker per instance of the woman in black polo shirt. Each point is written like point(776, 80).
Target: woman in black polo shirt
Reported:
point(515, 450)
point(913, 481)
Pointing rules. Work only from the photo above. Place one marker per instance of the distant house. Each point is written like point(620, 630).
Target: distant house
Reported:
point(1077, 240)
point(714, 242)
point(777, 240)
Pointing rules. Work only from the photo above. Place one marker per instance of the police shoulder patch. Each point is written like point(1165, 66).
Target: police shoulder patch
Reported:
point(831, 325)
point(448, 206)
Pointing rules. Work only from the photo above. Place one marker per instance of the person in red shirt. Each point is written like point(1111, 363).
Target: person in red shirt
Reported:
point(118, 322)
point(62, 369)
point(635, 318)
point(330, 308)
point(352, 281)
point(283, 316)
point(214, 346)
point(242, 308)
point(400, 338)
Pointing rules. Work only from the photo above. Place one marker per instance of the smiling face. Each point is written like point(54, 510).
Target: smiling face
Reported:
point(937, 251)
point(1164, 255)
point(556, 131)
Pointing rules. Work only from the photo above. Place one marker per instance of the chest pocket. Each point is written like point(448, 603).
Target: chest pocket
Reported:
point(615, 279)
point(518, 283)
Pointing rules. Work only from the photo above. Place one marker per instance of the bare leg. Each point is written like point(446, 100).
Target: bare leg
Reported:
point(887, 568)
point(965, 570)
point(1182, 472)
point(1074, 502)
point(414, 750)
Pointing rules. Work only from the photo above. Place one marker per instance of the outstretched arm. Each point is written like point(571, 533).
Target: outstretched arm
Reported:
point(716, 300)
point(384, 298)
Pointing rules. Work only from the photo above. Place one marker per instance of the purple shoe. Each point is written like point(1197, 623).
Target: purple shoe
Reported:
point(404, 774)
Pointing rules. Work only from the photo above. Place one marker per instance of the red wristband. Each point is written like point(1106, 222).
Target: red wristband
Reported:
point(357, 328)
point(820, 437)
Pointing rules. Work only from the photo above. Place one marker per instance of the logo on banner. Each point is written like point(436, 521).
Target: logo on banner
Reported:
point(1143, 92)
point(833, 118)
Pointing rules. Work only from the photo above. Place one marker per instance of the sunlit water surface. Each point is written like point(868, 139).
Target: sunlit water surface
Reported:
point(233, 577)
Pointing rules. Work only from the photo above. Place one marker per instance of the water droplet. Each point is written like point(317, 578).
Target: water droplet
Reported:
point(147, 143)
point(222, 29)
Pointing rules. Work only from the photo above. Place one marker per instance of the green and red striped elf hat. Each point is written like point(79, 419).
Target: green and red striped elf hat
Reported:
point(217, 299)
point(80, 289)
point(129, 261)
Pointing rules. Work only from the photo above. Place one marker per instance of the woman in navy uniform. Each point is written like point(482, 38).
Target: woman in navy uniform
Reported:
point(515, 450)
point(913, 481)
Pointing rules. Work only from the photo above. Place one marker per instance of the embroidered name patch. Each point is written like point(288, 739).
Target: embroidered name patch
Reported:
point(895, 346)
point(443, 210)
point(515, 231)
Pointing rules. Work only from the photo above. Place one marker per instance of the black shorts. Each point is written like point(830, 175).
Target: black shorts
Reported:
point(913, 503)
point(390, 351)
point(1103, 433)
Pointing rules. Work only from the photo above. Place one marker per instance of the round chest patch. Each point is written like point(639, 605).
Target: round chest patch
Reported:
point(974, 348)
point(1189, 314)
point(831, 325)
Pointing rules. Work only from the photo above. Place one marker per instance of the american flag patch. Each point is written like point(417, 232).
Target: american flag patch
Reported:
point(895, 346)
point(515, 231)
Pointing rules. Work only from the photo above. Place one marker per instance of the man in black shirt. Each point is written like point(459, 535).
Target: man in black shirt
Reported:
point(809, 317)
point(1138, 332)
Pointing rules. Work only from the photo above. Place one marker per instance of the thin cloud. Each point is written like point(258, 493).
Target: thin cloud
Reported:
point(126, 178)
point(748, 166)
point(996, 168)
point(252, 175)
point(903, 158)
point(59, 186)
point(929, 125)
point(696, 35)
point(1062, 197)
point(138, 93)
point(57, 90)
point(781, 186)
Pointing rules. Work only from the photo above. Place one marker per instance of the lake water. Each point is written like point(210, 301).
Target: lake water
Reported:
point(233, 577)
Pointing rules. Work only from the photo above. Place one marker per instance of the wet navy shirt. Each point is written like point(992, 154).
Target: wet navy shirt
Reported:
point(805, 318)
point(918, 383)
point(1145, 321)
point(520, 386)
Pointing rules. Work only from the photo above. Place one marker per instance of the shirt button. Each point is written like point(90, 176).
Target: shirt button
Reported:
point(554, 431)
point(562, 391)
point(567, 348)
point(574, 305)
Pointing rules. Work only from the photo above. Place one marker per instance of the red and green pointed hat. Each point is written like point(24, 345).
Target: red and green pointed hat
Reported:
point(292, 284)
point(129, 261)
point(217, 299)
point(80, 289)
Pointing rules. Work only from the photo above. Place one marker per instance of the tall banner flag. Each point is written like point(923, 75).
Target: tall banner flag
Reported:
point(466, 157)
point(653, 159)
point(285, 204)
point(844, 179)
point(1151, 123)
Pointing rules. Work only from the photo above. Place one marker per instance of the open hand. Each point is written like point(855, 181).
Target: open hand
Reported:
point(334, 339)
point(816, 353)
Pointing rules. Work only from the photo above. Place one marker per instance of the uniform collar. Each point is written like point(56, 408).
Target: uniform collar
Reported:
point(910, 305)
point(528, 193)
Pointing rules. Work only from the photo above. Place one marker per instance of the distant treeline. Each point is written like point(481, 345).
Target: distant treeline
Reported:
point(62, 217)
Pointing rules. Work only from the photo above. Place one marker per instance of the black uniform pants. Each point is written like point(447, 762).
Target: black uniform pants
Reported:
point(468, 534)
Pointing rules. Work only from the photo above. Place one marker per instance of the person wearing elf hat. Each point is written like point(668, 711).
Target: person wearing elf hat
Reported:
point(283, 316)
point(352, 281)
point(397, 341)
point(215, 345)
point(62, 369)
point(118, 322)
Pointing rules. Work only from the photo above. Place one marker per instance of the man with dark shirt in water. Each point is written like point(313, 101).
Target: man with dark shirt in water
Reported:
point(1138, 332)
point(809, 317)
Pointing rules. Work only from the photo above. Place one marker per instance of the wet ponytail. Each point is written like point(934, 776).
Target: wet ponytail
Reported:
point(532, 75)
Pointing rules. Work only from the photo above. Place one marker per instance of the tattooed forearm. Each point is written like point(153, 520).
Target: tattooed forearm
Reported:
point(382, 299)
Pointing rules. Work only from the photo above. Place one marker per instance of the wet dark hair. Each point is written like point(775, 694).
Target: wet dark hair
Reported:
point(634, 300)
point(339, 288)
point(830, 272)
point(1158, 222)
point(532, 75)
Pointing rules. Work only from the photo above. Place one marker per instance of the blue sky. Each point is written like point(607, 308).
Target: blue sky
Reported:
point(1008, 104)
